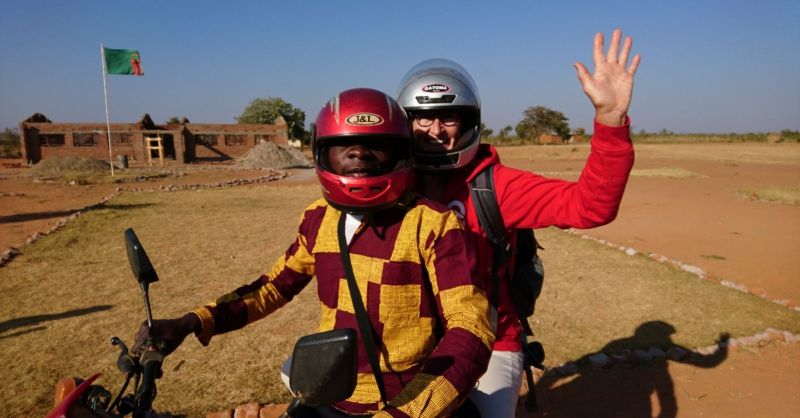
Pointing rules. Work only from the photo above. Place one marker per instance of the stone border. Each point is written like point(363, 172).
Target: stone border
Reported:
point(13, 252)
point(697, 271)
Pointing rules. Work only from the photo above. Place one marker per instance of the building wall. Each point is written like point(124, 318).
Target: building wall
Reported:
point(41, 138)
point(226, 141)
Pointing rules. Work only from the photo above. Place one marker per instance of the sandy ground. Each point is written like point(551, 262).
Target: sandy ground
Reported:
point(697, 220)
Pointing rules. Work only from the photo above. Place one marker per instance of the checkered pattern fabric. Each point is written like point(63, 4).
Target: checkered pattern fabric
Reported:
point(411, 267)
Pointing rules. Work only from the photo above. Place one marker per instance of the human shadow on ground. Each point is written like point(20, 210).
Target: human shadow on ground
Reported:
point(33, 216)
point(624, 389)
point(38, 319)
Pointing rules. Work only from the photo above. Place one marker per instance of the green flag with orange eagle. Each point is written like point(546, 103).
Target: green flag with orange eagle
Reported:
point(123, 61)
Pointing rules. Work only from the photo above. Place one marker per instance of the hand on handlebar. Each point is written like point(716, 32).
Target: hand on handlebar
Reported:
point(168, 334)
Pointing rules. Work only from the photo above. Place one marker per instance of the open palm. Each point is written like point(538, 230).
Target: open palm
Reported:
point(611, 86)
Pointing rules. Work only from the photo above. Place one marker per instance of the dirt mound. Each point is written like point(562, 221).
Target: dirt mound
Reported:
point(58, 166)
point(270, 155)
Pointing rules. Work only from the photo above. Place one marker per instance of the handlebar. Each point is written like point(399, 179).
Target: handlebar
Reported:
point(151, 361)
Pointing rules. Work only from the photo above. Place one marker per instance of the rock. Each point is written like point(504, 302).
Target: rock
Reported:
point(271, 411)
point(774, 334)
point(248, 410)
point(676, 353)
point(621, 359)
point(566, 369)
point(642, 357)
point(657, 354)
point(748, 341)
point(221, 414)
point(600, 361)
point(630, 251)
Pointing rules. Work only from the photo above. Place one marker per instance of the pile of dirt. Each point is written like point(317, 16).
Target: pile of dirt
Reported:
point(270, 155)
point(59, 166)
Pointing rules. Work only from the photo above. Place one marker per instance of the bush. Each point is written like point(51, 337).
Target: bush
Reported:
point(9, 144)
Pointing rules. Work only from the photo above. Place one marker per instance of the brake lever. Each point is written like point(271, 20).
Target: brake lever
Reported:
point(125, 363)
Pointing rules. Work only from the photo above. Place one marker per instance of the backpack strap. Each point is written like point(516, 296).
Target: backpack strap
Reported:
point(490, 219)
point(367, 336)
point(489, 215)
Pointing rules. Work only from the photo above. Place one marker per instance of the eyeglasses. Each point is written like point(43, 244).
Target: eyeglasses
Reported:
point(446, 119)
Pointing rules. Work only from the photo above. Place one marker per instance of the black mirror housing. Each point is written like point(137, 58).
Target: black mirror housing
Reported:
point(324, 367)
point(140, 263)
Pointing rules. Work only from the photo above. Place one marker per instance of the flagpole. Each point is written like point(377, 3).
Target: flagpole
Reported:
point(108, 120)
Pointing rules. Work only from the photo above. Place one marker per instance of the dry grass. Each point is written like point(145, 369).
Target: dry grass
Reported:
point(666, 172)
point(68, 293)
point(785, 195)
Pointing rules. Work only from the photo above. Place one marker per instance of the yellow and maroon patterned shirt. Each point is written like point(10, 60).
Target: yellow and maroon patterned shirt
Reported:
point(412, 270)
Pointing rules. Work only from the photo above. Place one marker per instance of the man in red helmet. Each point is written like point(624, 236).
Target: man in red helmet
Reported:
point(408, 256)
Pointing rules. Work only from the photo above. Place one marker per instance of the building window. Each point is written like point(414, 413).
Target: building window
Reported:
point(123, 139)
point(259, 138)
point(235, 140)
point(85, 139)
point(51, 140)
point(206, 139)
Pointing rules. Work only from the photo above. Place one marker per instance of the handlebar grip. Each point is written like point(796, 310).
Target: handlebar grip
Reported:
point(151, 363)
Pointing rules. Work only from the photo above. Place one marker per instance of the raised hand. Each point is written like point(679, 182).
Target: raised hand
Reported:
point(611, 86)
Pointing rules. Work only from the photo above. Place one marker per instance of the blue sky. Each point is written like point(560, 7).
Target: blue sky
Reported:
point(707, 66)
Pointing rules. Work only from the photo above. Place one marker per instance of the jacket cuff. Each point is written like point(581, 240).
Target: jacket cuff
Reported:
point(612, 138)
point(207, 325)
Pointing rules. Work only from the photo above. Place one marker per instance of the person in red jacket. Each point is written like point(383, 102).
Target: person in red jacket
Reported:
point(443, 103)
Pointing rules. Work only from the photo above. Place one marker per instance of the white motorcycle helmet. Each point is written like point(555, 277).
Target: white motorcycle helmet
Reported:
point(441, 84)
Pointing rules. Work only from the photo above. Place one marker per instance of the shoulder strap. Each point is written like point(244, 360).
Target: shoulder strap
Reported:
point(367, 336)
point(489, 215)
point(490, 218)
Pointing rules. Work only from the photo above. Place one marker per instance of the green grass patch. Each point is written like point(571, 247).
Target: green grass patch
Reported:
point(69, 292)
point(785, 195)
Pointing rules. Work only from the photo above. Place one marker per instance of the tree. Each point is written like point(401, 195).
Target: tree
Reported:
point(175, 120)
point(505, 131)
point(485, 132)
point(264, 111)
point(541, 120)
point(9, 143)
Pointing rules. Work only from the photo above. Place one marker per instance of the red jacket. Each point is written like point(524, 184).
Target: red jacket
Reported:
point(528, 200)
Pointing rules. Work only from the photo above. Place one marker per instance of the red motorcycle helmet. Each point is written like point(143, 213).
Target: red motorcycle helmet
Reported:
point(363, 115)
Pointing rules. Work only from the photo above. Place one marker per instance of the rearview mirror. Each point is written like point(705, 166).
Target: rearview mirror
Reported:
point(140, 263)
point(324, 367)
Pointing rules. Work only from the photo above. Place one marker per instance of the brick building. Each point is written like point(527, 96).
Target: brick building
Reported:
point(182, 142)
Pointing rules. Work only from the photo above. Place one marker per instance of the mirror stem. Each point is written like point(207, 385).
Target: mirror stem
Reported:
point(147, 311)
point(292, 408)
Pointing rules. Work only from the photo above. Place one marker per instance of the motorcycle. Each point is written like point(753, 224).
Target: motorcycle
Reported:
point(323, 371)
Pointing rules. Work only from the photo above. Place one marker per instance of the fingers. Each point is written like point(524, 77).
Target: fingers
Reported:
point(626, 50)
point(583, 73)
point(613, 46)
point(634, 64)
point(597, 55)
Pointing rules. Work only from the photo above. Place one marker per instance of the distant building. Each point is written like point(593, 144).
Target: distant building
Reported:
point(182, 142)
point(547, 139)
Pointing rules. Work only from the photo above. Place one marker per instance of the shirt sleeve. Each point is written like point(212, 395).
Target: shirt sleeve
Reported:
point(288, 276)
point(529, 200)
point(463, 352)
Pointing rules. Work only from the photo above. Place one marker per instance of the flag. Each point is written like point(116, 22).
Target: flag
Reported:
point(123, 61)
